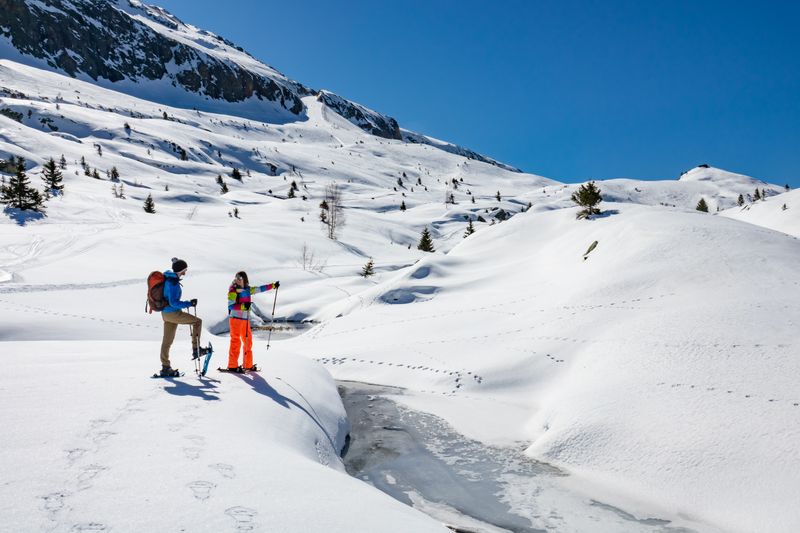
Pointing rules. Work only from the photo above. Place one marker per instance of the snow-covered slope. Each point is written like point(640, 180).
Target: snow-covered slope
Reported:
point(660, 367)
point(656, 369)
point(781, 213)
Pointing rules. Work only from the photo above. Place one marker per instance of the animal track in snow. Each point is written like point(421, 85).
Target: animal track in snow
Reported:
point(727, 391)
point(457, 382)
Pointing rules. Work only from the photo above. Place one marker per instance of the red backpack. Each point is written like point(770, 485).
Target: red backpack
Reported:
point(155, 292)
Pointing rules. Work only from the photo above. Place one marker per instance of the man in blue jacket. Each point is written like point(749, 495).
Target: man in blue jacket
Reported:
point(173, 315)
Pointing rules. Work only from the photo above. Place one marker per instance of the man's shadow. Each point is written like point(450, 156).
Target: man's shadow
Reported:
point(205, 391)
point(260, 385)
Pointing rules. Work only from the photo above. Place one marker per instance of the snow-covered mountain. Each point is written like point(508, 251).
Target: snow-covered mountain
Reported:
point(654, 370)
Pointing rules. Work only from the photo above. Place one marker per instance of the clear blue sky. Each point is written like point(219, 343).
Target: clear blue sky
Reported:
point(571, 90)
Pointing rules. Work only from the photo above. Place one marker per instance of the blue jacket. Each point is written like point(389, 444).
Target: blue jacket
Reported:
point(172, 293)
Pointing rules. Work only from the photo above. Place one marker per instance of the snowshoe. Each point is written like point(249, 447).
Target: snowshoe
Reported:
point(197, 353)
point(168, 373)
point(253, 368)
point(236, 370)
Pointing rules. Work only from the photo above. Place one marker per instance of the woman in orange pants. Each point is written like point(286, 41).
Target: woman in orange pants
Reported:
point(239, 299)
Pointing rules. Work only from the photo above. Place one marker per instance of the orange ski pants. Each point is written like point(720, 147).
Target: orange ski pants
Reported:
point(241, 336)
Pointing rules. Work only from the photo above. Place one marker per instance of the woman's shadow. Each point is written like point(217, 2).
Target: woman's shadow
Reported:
point(260, 385)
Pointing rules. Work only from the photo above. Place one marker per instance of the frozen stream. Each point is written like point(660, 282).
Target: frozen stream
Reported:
point(420, 460)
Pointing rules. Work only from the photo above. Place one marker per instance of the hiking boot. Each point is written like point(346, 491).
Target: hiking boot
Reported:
point(199, 352)
point(237, 369)
point(253, 368)
point(169, 372)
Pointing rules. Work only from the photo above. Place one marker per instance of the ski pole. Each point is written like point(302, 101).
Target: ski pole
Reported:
point(196, 360)
point(272, 320)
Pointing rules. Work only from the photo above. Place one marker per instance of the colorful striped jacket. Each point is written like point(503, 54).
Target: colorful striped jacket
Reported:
point(239, 302)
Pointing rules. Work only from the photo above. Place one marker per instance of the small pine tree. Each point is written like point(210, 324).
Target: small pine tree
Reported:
point(122, 191)
point(83, 162)
point(740, 201)
point(165, 116)
point(53, 178)
point(291, 193)
point(18, 194)
point(400, 182)
point(425, 241)
point(95, 174)
point(114, 174)
point(472, 198)
point(149, 204)
point(236, 174)
point(63, 162)
point(236, 212)
point(757, 195)
point(784, 208)
point(702, 205)
point(587, 196)
point(498, 196)
point(470, 230)
point(403, 205)
point(223, 187)
point(369, 269)
point(788, 188)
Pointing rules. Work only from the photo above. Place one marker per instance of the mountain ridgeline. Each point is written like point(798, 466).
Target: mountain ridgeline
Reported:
point(111, 42)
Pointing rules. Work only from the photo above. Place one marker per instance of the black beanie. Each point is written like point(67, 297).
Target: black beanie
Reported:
point(178, 265)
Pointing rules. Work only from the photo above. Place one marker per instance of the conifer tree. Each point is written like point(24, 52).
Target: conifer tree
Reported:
point(740, 201)
point(587, 196)
point(702, 205)
point(403, 205)
point(498, 196)
point(114, 174)
point(53, 177)
point(149, 204)
point(784, 208)
point(236, 174)
point(470, 229)
point(369, 269)
point(757, 195)
point(223, 187)
point(63, 162)
point(18, 194)
point(787, 187)
point(425, 241)
point(291, 192)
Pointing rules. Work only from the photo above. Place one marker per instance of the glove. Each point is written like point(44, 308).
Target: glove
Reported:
point(276, 284)
point(193, 301)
